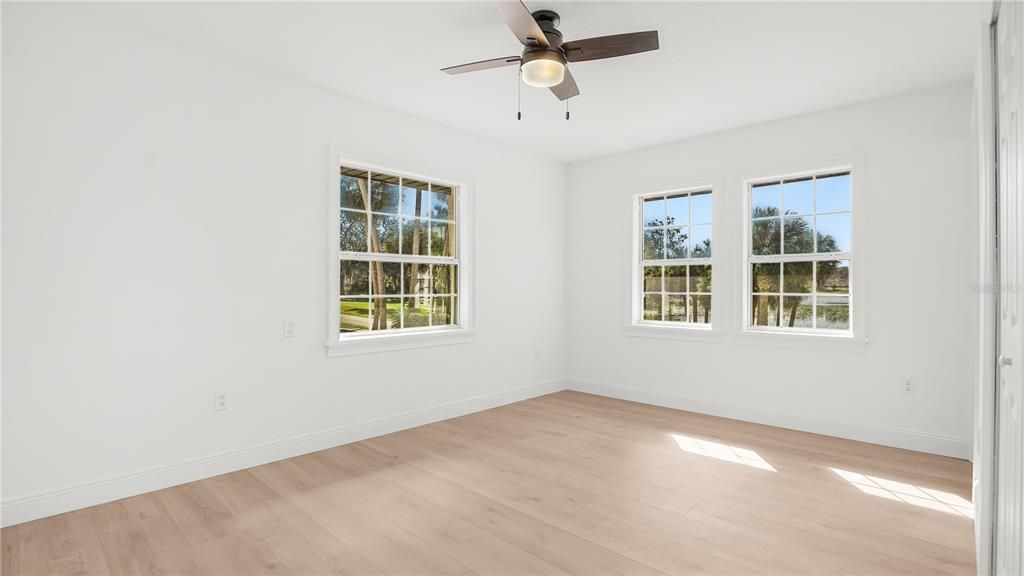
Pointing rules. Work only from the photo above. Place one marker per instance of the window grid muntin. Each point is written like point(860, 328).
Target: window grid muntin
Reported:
point(428, 259)
point(663, 262)
point(783, 258)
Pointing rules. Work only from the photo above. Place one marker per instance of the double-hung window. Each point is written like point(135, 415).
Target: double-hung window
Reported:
point(799, 256)
point(398, 254)
point(675, 258)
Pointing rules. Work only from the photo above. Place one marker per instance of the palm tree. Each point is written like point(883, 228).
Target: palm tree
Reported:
point(794, 235)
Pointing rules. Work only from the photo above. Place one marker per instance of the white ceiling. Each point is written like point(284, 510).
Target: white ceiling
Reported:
point(721, 64)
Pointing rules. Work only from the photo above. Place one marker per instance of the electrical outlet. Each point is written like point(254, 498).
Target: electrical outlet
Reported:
point(289, 328)
point(536, 354)
point(909, 387)
point(220, 401)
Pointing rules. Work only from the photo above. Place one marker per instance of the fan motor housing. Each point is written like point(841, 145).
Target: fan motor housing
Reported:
point(548, 21)
point(540, 53)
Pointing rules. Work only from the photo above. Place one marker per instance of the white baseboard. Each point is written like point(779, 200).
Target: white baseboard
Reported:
point(874, 434)
point(48, 503)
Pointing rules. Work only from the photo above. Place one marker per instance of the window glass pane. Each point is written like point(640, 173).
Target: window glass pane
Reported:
point(654, 244)
point(445, 278)
point(353, 231)
point(797, 277)
point(386, 278)
point(384, 193)
point(765, 200)
point(355, 277)
point(378, 314)
point(700, 278)
point(441, 238)
point(833, 233)
point(416, 311)
point(700, 309)
point(675, 278)
point(353, 183)
point(678, 208)
point(798, 236)
point(833, 193)
point(766, 237)
point(414, 236)
point(700, 241)
point(764, 310)
point(442, 311)
point(765, 277)
point(652, 278)
point(833, 312)
point(393, 315)
point(384, 236)
point(676, 242)
point(652, 306)
point(355, 314)
point(700, 208)
point(798, 196)
point(802, 215)
point(417, 279)
point(834, 276)
point(654, 212)
point(442, 200)
point(797, 312)
point(415, 198)
point(675, 308)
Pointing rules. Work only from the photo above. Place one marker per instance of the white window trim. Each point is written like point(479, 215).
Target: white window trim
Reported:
point(852, 339)
point(635, 325)
point(338, 344)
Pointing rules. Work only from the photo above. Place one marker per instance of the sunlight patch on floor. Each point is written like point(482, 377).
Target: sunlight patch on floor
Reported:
point(908, 493)
point(721, 451)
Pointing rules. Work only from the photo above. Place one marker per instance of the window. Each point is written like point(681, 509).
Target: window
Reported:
point(675, 258)
point(800, 254)
point(398, 253)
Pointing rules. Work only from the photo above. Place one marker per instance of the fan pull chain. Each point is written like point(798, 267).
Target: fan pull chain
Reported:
point(567, 108)
point(519, 95)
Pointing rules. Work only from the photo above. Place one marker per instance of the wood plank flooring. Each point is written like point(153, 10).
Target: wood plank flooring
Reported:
point(567, 483)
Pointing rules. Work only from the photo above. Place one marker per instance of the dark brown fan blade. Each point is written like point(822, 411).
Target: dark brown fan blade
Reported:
point(482, 65)
point(521, 22)
point(567, 89)
point(610, 46)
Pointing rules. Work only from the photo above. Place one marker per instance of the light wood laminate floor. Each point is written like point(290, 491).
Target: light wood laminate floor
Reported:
point(563, 484)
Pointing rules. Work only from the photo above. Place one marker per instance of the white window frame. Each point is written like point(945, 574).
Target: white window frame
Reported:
point(345, 344)
point(857, 295)
point(636, 325)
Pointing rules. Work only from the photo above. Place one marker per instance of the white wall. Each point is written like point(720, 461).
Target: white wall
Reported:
point(917, 171)
point(164, 213)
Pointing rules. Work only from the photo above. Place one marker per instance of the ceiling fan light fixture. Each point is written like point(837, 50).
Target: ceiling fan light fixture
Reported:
point(543, 68)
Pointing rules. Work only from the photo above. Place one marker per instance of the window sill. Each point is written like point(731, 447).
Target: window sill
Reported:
point(803, 341)
point(694, 333)
point(372, 344)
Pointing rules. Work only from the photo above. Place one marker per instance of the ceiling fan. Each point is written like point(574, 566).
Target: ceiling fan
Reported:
point(544, 60)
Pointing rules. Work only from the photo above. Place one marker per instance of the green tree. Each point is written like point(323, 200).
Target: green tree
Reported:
point(794, 235)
